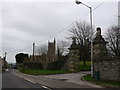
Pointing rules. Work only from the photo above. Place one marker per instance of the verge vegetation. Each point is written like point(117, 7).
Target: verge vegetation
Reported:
point(42, 72)
point(101, 82)
point(86, 67)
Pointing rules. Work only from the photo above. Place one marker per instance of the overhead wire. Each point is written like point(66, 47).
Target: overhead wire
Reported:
point(61, 29)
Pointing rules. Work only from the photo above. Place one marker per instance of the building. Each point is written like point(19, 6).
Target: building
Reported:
point(42, 61)
point(49, 57)
point(3, 64)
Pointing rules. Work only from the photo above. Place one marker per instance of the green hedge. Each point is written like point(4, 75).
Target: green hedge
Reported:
point(42, 72)
point(34, 65)
point(57, 65)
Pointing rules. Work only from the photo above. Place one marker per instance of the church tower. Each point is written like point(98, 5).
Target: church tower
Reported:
point(52, 51)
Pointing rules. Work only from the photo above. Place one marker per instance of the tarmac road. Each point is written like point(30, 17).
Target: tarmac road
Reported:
point(53, 83)
point(9, 80)
point(16, 79)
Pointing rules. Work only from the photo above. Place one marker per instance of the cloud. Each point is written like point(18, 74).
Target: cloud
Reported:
point(25, 23)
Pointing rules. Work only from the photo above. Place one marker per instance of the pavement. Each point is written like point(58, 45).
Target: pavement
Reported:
point(71, 80)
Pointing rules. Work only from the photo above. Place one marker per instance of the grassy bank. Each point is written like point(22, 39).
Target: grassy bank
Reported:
point(85, 68)
point(43, 72)
point(100, 82)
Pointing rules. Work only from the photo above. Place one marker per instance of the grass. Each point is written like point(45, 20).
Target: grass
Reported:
point(43, 72)
point(101, 82)
point(85, 68)
point(48, 72)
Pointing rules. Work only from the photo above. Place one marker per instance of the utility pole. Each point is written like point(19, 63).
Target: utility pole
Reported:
point(5, 59)
point(5, 55)
point(33, 51)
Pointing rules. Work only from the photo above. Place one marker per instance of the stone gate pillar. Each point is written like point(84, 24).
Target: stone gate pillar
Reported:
point(105, 67)
point(72, 63)
point(99, 47)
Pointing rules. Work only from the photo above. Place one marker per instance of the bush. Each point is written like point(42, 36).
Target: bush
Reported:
point(57, 65)
point(33, 65)
point(42, 72)
point(87, 67)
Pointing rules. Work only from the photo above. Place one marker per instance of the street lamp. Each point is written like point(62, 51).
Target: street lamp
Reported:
point(92, 69)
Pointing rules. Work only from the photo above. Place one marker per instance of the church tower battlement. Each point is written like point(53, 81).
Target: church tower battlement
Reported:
point(52, 51)
point(51, 47)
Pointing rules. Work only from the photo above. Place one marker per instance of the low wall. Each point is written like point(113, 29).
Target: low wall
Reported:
point(108, 69)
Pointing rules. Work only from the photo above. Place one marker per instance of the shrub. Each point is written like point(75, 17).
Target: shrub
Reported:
point(33, 65)
point(57, 65)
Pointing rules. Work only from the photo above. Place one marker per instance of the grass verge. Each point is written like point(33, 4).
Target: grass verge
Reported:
point(87, 67)
point(101, 82)
point(43, 72)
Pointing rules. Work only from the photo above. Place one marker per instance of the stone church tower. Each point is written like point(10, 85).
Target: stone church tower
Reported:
point(52, 51)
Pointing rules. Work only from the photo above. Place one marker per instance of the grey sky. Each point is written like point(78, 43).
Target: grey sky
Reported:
point(25, 23)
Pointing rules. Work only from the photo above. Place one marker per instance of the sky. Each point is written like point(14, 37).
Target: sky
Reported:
point(26, 22)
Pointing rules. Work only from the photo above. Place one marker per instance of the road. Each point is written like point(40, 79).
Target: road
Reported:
point(15, 79)
point(52, 83)
point(9, 80)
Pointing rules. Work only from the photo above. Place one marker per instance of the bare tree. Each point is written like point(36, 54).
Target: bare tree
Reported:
point(40, 50)
point(81, 31)
point(62, 47)
point(113, 37)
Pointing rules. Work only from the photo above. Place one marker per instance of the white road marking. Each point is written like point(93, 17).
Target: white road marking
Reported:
point(18, 76)
point(30, 80)
point(26, 79)
point(46, 87)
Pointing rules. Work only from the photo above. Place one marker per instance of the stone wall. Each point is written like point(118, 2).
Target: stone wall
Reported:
point(108, 70)
point(72, 63)
point(106, 67)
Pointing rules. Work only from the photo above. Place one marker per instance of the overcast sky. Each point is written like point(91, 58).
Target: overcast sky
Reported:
point(26, 22)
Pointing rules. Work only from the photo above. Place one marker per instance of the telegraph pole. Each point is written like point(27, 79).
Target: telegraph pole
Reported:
point(5, 59)
point(5, 55)
point(33, 51)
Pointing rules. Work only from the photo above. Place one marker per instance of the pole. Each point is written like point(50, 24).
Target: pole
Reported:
point(33, 51)
point(5, 55)
point(92, 66)
point(5, 59)
point(91, 32)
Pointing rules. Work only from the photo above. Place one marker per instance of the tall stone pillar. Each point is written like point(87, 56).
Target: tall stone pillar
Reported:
point(72, 63)
point(105, 67)
point(99, 46)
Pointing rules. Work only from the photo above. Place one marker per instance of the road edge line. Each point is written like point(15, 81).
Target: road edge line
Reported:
point(46, 87)
point(29, 80)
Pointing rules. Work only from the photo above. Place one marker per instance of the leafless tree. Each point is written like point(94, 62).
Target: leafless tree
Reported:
point(113, 37)
point(62, 47)
point(81, 31)
point(40, 50)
